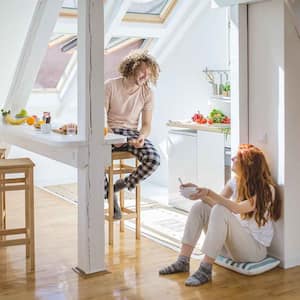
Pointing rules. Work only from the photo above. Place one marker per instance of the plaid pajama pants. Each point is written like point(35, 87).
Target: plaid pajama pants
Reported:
point(147, 155)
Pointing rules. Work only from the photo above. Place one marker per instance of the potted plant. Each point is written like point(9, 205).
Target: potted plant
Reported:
point(226, 90)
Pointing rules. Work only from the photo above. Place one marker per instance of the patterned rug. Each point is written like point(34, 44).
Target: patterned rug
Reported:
point(160, 223)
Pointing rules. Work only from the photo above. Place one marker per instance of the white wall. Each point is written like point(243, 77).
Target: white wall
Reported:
point(182, 88)
point(266, 60)
point(12, 38)
point(274, 123)
point(292, 143)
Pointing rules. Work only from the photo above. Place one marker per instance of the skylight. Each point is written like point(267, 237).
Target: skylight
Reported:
point(70, 4)
point(149, 11)
point(154, 7)
point(55, 64)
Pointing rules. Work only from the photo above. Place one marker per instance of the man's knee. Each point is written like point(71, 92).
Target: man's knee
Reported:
point(153, 160)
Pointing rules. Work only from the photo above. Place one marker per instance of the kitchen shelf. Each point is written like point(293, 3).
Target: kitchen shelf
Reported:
point(220, 98)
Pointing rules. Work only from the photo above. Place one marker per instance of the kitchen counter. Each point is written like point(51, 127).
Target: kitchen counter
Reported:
point(63, 148)
point(195, 126)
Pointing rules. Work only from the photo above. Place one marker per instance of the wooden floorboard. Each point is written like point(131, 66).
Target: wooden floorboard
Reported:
point(133, 266)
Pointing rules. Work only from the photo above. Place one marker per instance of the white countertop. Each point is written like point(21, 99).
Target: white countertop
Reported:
point(71, 150)
point(15, 134)
point(195, 126)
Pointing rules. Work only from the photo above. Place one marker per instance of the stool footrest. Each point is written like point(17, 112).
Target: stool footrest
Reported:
point(14, 242)
point(18, 187)
point(122, 170)
point(127, 216)
point(13, 231)
point(12, 180)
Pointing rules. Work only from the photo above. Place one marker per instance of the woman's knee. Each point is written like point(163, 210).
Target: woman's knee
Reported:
point(219, 211)
point(198, 207)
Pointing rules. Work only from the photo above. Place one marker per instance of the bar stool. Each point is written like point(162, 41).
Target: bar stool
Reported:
point(122, 168)
point(18, 166)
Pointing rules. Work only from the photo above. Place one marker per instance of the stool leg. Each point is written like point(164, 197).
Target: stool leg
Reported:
point(121, 193)
point(27, 214)
point(111, 206)
point(138, 211)
point(29, 200)
point(138, 208)
point(2, 206)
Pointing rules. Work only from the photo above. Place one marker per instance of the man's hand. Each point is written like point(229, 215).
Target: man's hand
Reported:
point(118, 145)
point(137, 143)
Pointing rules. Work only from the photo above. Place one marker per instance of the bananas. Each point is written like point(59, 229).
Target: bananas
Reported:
point(12, 121)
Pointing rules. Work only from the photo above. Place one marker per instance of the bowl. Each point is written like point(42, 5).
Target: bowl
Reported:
point(188, 191)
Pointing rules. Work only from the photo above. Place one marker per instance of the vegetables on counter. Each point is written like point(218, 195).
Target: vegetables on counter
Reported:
point(215, 116)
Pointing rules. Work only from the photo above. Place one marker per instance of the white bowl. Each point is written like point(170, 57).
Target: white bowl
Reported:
point(188, 191)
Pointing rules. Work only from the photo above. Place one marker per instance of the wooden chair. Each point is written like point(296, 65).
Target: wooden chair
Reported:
point(23, 167)
point(122, 168)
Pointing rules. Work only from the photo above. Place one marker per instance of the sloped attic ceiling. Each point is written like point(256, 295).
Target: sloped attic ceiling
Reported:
point(41, 19)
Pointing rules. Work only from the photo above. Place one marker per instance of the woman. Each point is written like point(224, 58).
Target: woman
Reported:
point(240, 228)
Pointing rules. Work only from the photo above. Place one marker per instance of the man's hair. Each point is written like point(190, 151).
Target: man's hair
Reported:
point(133, 61)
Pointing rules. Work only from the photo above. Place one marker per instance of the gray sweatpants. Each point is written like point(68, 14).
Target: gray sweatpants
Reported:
point(224, 234)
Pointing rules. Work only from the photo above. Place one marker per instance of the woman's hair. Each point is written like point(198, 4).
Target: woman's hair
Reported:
point(254, 180)
point(133, 61)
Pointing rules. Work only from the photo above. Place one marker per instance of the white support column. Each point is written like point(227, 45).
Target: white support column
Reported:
point(239, 75)
point(91, 122)
point(35, 45)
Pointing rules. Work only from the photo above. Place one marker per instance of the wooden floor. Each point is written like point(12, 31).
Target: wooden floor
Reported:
point(133, 266)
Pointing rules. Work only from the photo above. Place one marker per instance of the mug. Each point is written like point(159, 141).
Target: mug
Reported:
point(46, 128)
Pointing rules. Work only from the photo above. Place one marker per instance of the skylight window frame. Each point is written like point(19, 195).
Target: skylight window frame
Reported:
point(150, 18)
point(70, 67)
point(146, 43)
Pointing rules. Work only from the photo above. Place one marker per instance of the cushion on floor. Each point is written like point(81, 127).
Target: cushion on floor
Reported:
point(248, 268)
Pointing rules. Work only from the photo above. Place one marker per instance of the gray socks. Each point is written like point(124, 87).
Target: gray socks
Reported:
point(181, 265)
point(201, 276)
point(119, 185)
point(117, 209)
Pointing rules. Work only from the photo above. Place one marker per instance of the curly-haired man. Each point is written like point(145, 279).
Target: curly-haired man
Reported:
point(127, 98)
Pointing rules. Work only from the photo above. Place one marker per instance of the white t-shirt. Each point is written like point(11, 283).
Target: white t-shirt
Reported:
point(263, 234)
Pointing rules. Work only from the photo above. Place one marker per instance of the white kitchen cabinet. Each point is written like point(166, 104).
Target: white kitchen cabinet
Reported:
point(182, 160)
point(196, 156)
point(210, 160)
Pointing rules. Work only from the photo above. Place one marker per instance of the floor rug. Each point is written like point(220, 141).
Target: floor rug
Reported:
point(160, 223)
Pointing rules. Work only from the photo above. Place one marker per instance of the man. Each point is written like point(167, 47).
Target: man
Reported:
point(127, 99)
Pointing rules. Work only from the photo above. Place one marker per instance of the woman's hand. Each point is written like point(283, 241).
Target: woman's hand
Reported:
point(189, 184)
point(200, 194)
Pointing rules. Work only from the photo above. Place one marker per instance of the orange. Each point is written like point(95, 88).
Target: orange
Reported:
point(105, 131)
point(30, 120)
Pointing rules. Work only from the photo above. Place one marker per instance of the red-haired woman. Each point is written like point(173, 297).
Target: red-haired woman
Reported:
point(241, 227)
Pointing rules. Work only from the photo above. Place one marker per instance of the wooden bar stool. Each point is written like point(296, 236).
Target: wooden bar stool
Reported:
point(122, 168)
point(23, 167)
